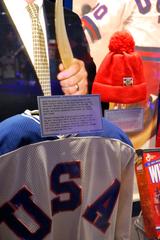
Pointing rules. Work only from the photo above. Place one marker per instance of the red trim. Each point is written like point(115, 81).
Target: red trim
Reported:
point(149, 54)
point(90, 28)
point(120, 94)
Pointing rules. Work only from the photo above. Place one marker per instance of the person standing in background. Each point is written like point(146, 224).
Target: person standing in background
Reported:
point(141, 19)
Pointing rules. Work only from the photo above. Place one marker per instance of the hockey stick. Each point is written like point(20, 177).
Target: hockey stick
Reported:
point(61, 35)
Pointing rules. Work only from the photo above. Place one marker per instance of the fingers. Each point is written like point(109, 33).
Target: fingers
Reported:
point(74, 79)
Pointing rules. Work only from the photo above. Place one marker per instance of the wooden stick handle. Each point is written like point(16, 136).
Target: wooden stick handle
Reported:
point(64, 47)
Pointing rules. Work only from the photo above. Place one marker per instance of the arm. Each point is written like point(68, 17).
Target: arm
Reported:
point(106, 18)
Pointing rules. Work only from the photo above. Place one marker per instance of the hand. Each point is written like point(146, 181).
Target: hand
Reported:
point(73, 80)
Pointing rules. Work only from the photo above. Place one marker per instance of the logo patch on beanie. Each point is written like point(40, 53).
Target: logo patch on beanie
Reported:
point(127, 81)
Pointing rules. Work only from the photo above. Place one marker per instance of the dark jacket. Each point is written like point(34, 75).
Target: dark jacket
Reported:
point(19, 86)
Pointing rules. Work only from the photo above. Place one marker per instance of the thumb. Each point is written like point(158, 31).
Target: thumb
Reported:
point(61, 67)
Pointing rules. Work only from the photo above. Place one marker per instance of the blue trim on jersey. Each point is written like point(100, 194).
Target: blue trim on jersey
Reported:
point(19, 130)
point(151, 54)
point(92, 29)
point(151, 59)
point(148, 49)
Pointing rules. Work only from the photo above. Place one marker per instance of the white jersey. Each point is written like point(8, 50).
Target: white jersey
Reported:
point(69, 189)
point(140, 17)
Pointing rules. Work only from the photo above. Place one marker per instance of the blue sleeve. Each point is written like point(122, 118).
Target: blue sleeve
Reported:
point(18, 131)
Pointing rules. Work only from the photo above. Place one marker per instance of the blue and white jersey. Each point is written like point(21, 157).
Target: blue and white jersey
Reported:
point(77, 188)
point(23, 129)
point(141, 18)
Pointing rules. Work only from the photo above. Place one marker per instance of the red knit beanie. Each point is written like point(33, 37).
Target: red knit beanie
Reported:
point(120, 77)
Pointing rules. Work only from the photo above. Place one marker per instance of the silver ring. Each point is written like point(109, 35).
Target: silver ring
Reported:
point(77, 87)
